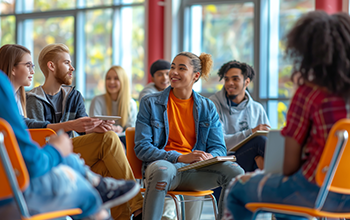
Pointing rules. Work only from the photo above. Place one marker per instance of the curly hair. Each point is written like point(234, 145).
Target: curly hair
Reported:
point(247, 71)
point(319, 45)
point(202, 64)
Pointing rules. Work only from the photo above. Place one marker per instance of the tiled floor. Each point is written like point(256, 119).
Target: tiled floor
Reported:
point(208, 213)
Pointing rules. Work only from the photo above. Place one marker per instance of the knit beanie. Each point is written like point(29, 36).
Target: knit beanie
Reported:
point(159, 65)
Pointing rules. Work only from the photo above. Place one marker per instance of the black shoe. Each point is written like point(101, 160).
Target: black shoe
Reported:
point(139, 217)
point(116, 192)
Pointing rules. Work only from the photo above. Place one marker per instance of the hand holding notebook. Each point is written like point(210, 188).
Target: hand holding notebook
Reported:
point(245, 140)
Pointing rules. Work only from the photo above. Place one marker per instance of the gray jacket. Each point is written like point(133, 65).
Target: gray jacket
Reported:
point(39, 108)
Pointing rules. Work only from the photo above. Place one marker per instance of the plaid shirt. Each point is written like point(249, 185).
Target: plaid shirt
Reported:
point(310, 117)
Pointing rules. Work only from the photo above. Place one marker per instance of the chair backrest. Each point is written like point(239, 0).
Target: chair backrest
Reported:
point(14, 155)
point(40, 135)
point(134, 161)
point(341, 179)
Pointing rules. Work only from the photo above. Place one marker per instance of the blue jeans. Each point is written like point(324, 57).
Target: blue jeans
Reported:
point(162, 176)
point(292, 190)
point(246, 154)
point(64, 187)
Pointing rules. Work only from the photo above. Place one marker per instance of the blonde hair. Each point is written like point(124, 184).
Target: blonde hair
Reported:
point(124, 95)
point(10, 56)
point(202, 64)
point(49, 53)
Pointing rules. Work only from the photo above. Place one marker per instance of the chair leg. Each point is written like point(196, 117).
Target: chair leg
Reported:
point(215, 206)
point(182, 203)
point(256, 213)
point(178, 214)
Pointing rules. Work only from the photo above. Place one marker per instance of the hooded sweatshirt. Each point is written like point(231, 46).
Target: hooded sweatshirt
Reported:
point(238, 121)
point(41, 109)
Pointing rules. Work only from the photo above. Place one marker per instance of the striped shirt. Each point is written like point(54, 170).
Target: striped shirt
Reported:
point(311, 115)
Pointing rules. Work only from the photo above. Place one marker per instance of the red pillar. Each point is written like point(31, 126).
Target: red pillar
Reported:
point(329, 6)
point(155, 40)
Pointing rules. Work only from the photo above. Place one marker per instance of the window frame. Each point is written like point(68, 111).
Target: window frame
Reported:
point(78, 13)
point(266, 31)
point(260, 34)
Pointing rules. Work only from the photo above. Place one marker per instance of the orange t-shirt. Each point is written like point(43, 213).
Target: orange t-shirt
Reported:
point(182, 135)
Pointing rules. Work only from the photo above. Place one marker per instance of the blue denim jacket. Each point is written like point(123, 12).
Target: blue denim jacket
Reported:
point(152, 128)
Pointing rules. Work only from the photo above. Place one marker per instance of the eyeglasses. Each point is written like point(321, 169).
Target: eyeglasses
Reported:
point(29, 65)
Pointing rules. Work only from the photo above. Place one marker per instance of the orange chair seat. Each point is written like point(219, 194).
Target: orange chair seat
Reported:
point(187, 193)
point(290, 209)
point(55, 214)
point(191, 193)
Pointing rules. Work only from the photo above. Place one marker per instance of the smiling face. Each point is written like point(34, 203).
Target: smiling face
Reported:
point(181, 73)
point(22, 72)
point(64, 69)
point(161, 79)
point(112, 82)
point(235, 84)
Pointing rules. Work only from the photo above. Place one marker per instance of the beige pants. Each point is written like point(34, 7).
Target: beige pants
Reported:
point(105, 155)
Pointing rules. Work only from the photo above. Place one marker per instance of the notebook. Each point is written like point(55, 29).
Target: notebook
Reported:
point(208, 162)
point(245, 140)
point(274, 152)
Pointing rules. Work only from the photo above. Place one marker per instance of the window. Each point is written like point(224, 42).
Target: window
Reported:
point(250, 31)
point(99, 33)
point(226, 31)
point(44, 5)
point(98, 47)
point(7, 30)
point(279, 88)
point(7, 6)
point(41, 32)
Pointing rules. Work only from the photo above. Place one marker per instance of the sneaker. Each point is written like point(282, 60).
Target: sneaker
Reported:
point(116, 192)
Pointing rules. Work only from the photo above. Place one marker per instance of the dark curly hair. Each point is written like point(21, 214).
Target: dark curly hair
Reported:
point(247, 71)
point(319, 45)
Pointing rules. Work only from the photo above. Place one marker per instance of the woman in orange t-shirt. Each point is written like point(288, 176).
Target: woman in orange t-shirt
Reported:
point(175, 128)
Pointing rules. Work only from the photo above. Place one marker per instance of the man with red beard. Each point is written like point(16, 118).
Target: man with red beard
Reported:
point(61, 106)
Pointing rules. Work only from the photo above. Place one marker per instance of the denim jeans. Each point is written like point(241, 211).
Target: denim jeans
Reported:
point(162, 176)
point(64, 187)
point(247, 153)
point(292, 190)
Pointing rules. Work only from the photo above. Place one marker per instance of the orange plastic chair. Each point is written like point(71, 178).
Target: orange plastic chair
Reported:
point(14, 170)
point(136, 166)
point(332, 174)
point(41, 135)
